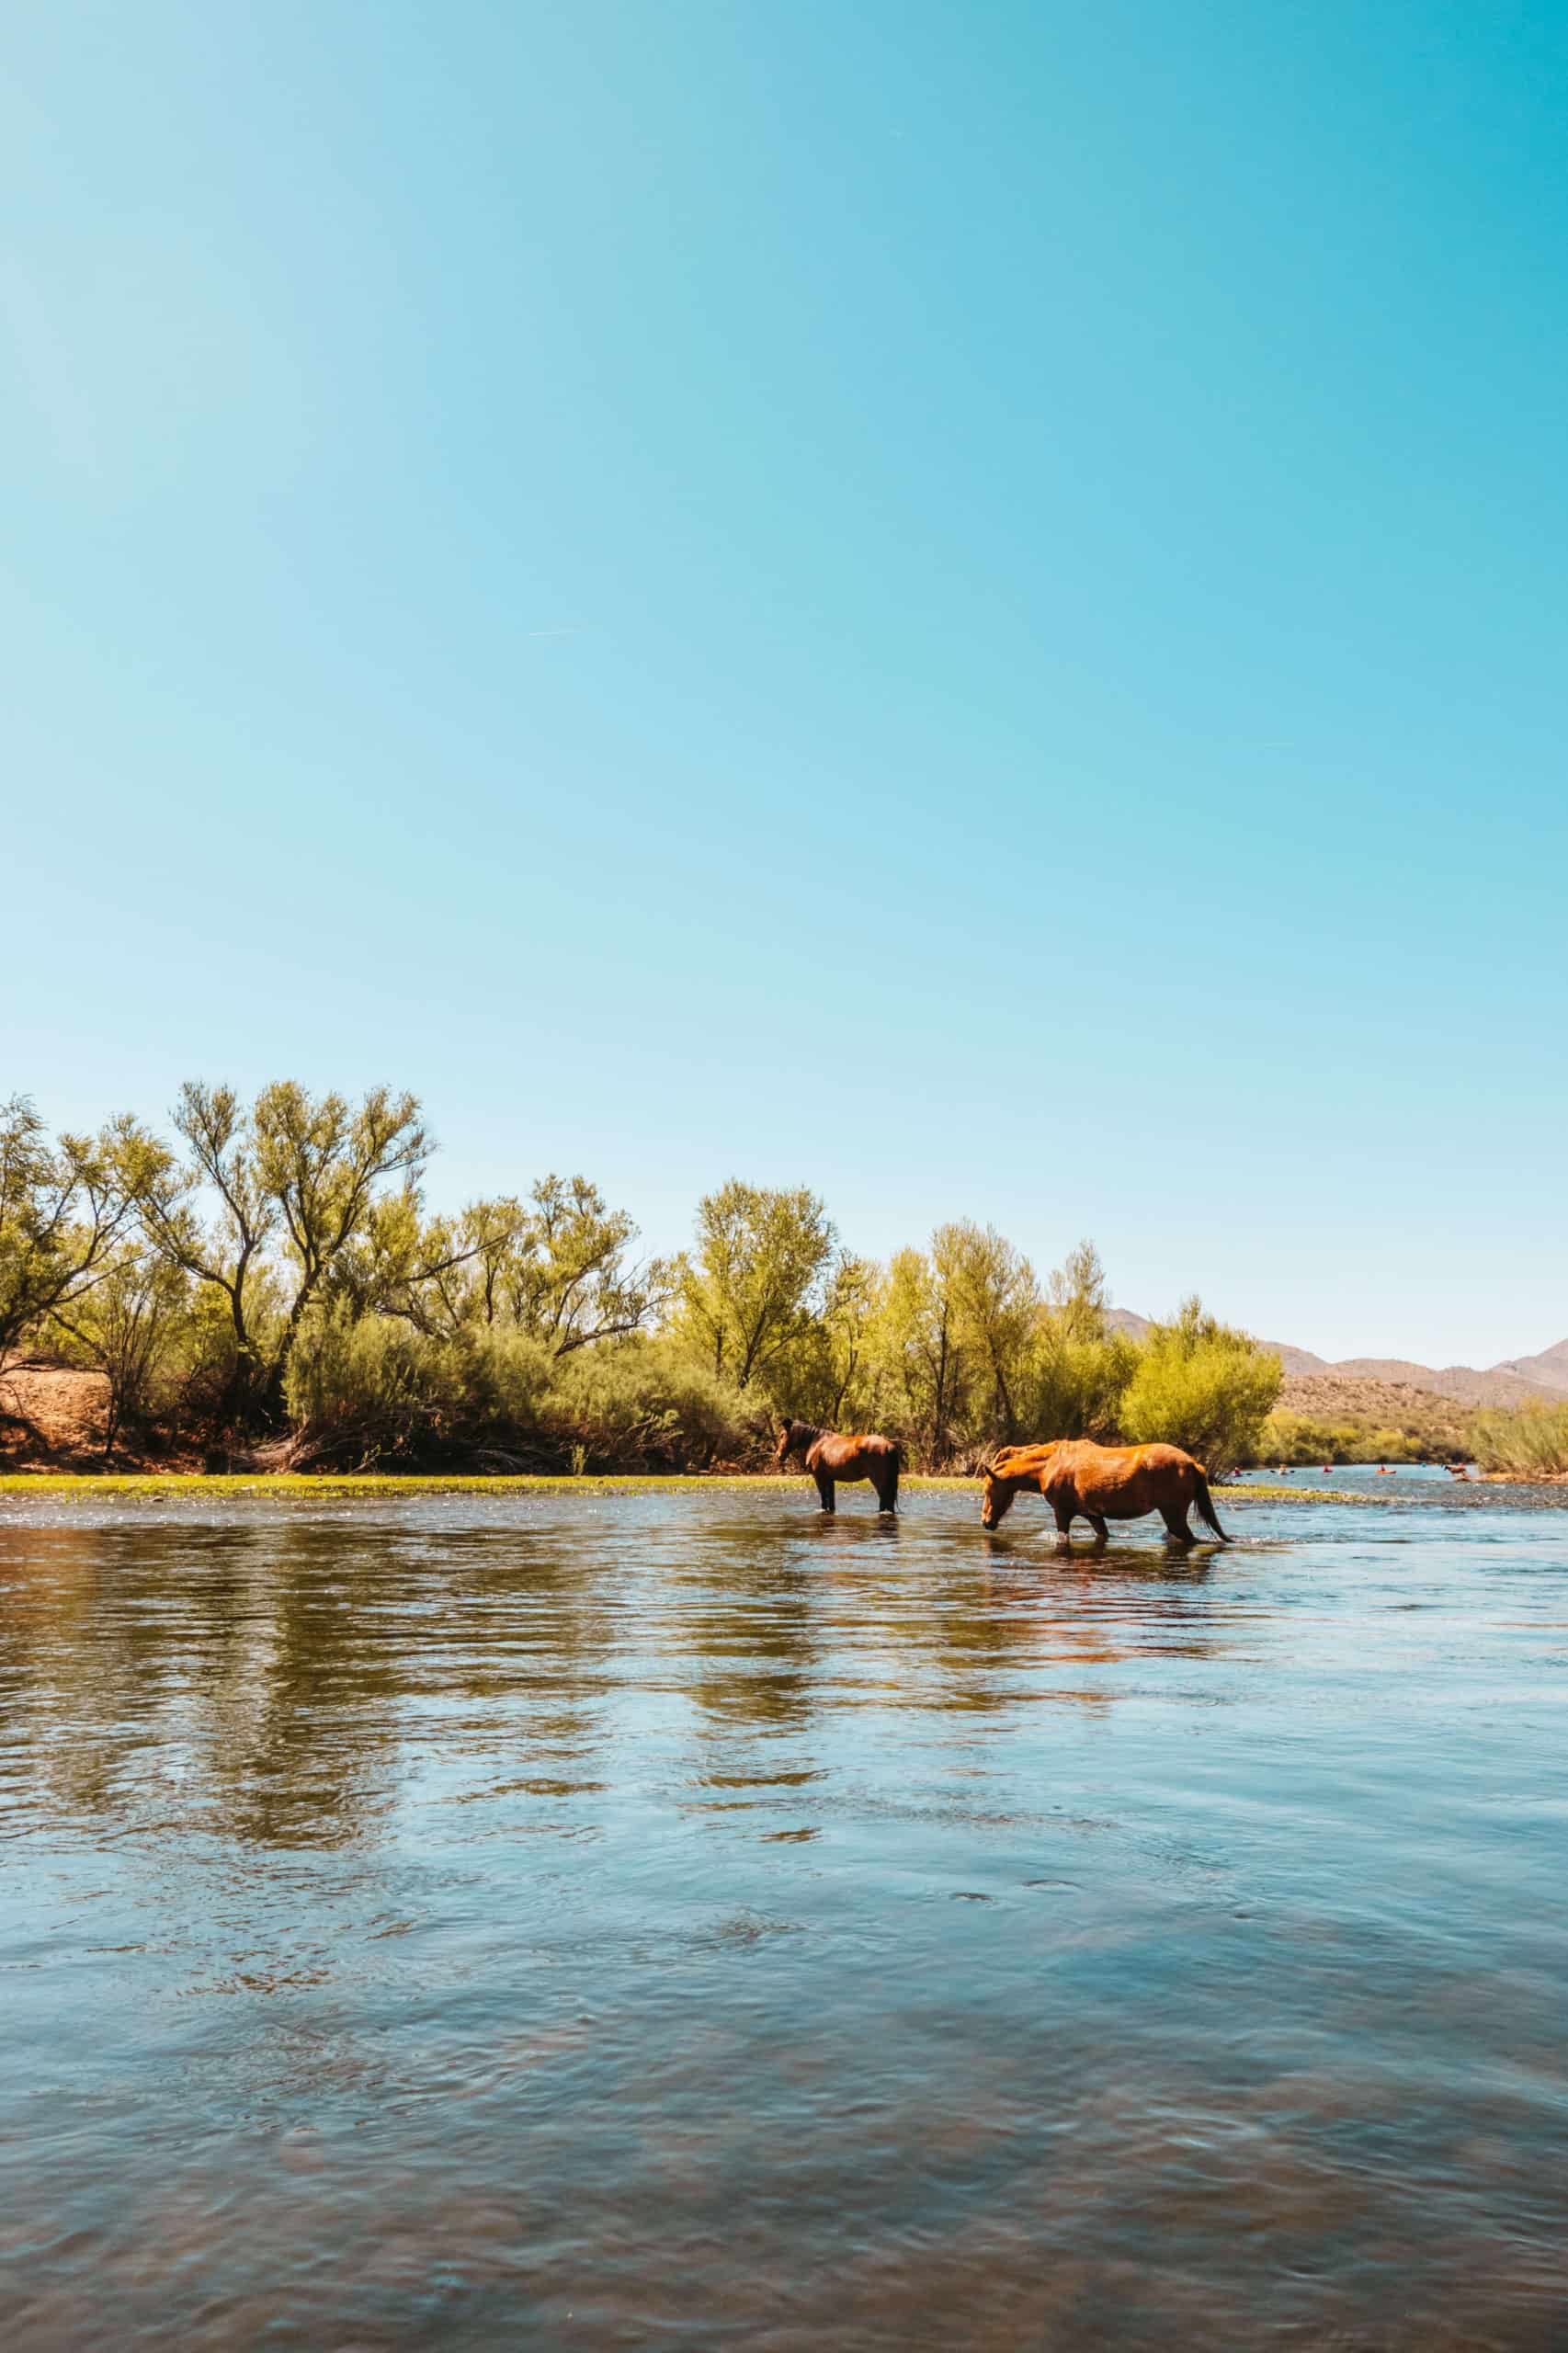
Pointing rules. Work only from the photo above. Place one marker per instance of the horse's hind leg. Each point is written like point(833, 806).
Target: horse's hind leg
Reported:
point(1175, 1517)
point(887, 1491)
point(824, 1489)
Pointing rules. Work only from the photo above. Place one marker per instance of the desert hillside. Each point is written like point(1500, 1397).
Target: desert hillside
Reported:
point(1336, 1398)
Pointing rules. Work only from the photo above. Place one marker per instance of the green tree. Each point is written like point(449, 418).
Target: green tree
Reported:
point(968, 1350)
point(64, 1208)
point(488, 1235)
point(916, 1350)
point(850, 1308)
point(566, 1277)
point(1202, 1385)
point(129, 1327)
point(997, 1305)
point(753, 1284)
point(292, 1169)
point(320, 1162)
point(556, 1268)
point(406, 1265)
point(227, 1251)
point(1078, 1368)
point(1075, 1294)
point(827, 1374)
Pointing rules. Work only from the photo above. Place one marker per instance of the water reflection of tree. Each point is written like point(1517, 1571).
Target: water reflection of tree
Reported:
point(286, 1680)
point(304, 1713)
point(753, 1624)
point(264, 1678)
point(51, 1670)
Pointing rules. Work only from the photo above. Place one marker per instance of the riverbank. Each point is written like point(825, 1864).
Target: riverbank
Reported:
point(371, 1483)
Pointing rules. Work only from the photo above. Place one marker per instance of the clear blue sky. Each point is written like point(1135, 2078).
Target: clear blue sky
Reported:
point(963, 605)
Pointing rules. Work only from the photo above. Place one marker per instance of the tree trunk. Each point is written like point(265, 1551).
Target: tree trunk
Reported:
point(279, 1373)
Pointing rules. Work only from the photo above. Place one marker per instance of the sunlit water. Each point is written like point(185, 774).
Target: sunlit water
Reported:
point(686, 1921)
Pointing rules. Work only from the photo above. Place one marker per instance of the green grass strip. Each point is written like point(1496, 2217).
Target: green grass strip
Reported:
point(86, 1485)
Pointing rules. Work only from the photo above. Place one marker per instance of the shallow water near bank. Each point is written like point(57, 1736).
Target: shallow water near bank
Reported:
point(682, 1920)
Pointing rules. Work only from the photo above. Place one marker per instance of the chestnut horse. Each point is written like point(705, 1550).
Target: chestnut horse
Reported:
point(829, 1457)
point(1078, 1478)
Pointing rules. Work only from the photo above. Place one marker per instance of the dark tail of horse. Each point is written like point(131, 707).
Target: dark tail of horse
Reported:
point(1205, 1503)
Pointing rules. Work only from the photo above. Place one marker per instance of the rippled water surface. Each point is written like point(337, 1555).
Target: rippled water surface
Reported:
point(683, 1921)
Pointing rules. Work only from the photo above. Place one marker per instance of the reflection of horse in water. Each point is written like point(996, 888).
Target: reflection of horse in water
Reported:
point(829, 1457)
point(1079, 1479)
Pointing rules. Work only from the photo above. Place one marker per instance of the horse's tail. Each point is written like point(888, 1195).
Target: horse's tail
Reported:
point(1205, 1502)
point(895, 1464)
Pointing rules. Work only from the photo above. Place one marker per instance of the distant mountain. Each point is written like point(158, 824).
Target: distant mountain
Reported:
point(1498, 1386)
point(1548, 1370)
point(1519, 1380)
point(1121, 1319)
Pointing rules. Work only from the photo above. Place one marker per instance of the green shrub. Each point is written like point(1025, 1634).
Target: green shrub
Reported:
point(1298, 1437)
point(1529, 1442)
point(1074, 1388)
point(373, 1389)
point(647, 1406)
point(1202, 1386)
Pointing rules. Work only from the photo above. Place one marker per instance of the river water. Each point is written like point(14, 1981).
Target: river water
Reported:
point(683, 1921)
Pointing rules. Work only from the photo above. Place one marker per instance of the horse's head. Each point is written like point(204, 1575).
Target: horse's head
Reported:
point(997, 1500)
point(786, 1435)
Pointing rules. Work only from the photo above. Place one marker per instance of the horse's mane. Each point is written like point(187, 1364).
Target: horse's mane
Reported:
point(803, 1433)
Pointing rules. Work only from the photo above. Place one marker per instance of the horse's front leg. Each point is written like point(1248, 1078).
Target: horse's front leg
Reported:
point(824, 1489)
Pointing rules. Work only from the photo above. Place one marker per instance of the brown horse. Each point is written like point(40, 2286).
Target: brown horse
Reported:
point(1078, 1478)
point(829, 1457)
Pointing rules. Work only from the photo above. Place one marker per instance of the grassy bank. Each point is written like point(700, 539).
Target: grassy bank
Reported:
point(304, 1484)
point(373, 1482)
point(1529, 1443)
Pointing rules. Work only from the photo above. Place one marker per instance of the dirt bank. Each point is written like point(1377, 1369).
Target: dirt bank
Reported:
point(54, 1417)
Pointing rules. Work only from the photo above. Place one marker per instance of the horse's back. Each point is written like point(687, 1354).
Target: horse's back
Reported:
point(851, 1457)
point(873, 1443)
point(1123, 1481)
